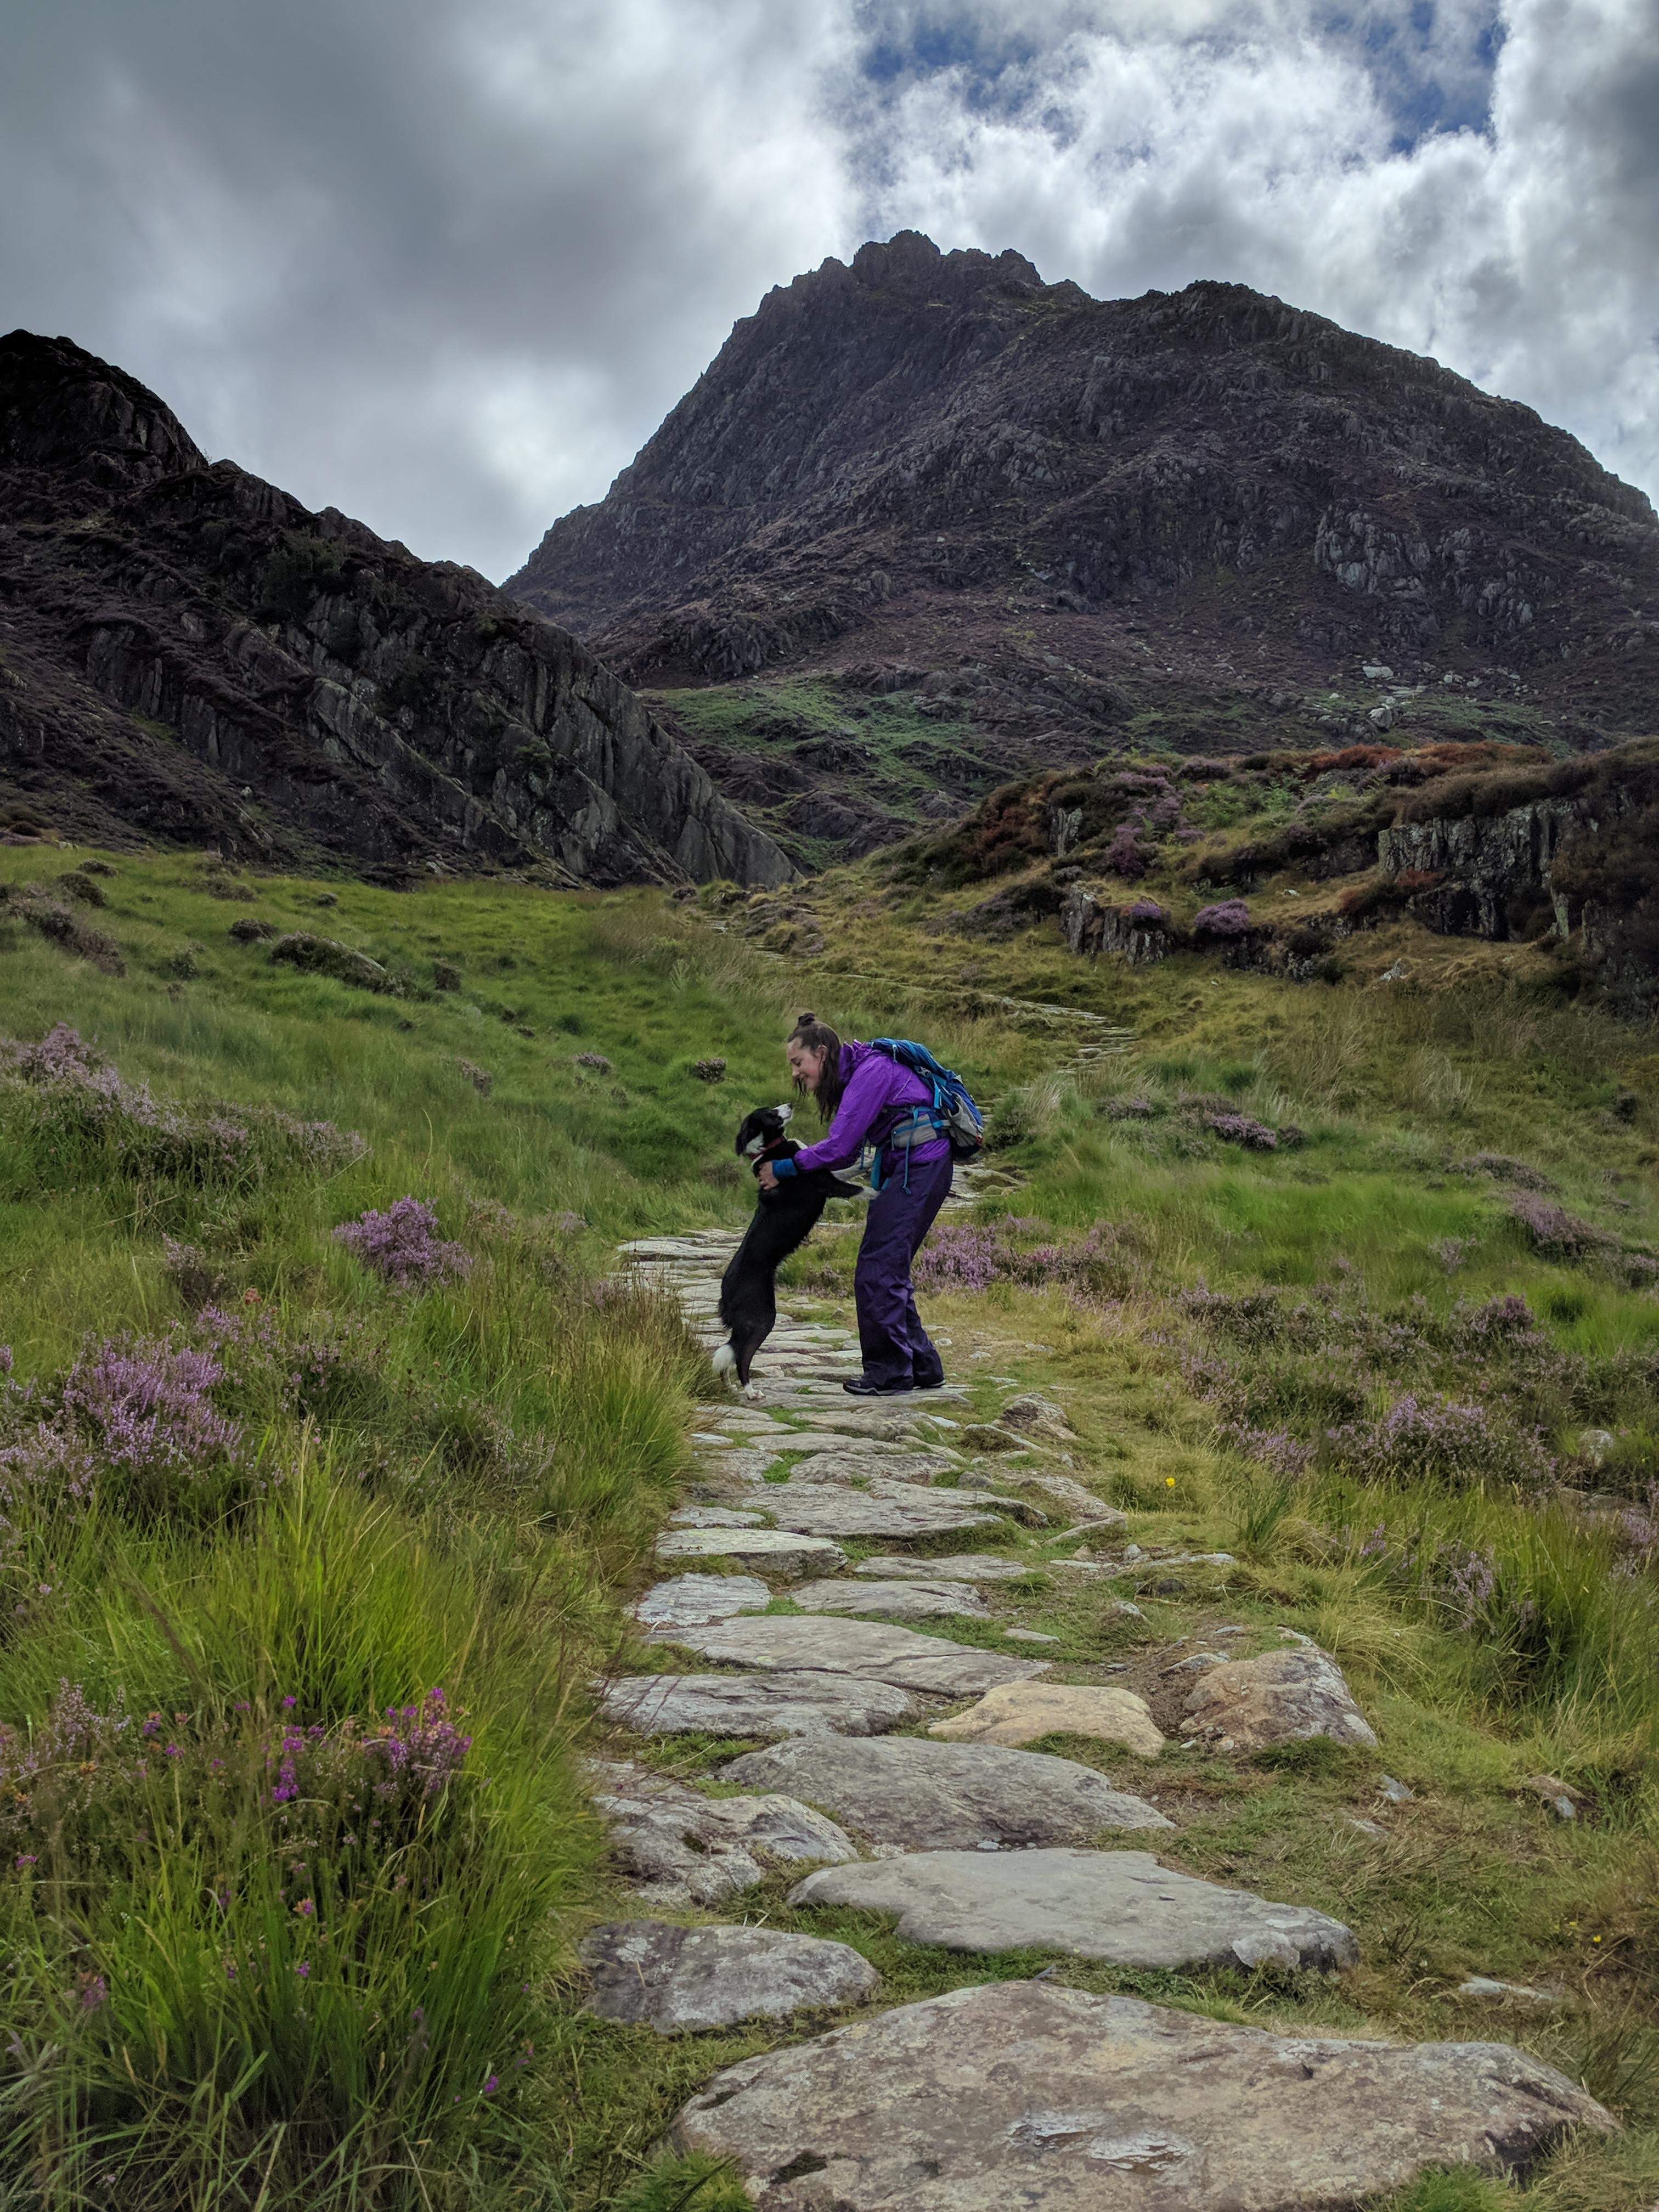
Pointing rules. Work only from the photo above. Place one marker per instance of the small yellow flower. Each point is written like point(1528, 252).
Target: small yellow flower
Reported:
point(1169, 1482)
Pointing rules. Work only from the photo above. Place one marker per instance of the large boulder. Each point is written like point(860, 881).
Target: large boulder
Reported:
point(1022, 2093)
point(1020, 1712)
point(1245, 1705)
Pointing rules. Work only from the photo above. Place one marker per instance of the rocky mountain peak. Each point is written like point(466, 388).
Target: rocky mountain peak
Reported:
point(1053, 519)
point(75, 418)
point(188, 653)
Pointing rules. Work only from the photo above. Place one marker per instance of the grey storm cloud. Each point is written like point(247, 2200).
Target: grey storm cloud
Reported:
point(446, 264)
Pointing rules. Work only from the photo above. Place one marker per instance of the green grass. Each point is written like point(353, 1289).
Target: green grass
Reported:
point(470, 1476)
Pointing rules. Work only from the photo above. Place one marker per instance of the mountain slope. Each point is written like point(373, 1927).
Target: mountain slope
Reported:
point(1045, 521)
point(188, 653)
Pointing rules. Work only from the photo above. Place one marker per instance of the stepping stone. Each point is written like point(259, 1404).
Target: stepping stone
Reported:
point(1279, 1698)
point(845, 1462)
point(923, 1795)
point(1024, 2094)
point(899, 1600)
point(651, 1973)
point(868, 1649)
point(885, 1510)
point(1120, 1906)
point(694, 1601)
point(1491, 1992)
point(1029, 1636)
point(789, 1703)
point(859, 1451)
point(1060, 1487)
point(780, 1551)
point(678, 1847)
point(1020, 1712)
point(714, 1516)
point(955, 1567)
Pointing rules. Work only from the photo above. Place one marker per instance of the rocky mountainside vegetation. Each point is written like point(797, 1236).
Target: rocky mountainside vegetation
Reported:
point(927, 522)
point(188, 654)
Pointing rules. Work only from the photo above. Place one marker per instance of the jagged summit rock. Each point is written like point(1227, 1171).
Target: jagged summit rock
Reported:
point(1029, 518)
point(192, 656)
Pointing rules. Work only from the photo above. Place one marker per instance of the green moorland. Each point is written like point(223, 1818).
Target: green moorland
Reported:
point(284, 1929)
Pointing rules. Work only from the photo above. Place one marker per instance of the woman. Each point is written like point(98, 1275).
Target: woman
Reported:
point(867, 1098)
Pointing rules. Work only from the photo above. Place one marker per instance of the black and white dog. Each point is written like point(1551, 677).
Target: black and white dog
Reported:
point(784, 1217)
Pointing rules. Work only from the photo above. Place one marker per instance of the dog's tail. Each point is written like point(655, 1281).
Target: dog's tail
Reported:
point(724, 1360)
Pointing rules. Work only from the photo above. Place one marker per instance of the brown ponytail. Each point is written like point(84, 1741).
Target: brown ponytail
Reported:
point(814, 1036)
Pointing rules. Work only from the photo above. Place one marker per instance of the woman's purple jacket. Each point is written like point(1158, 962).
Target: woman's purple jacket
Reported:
point(877, 1095)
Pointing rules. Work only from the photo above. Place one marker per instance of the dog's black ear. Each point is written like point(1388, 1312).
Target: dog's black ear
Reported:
point(742, 1135)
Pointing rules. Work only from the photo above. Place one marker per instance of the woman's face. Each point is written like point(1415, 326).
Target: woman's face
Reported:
point(806, 1066)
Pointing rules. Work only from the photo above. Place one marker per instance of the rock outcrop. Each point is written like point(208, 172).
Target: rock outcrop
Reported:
point(188, 654)
point(988, 524)
point(1025, 2093)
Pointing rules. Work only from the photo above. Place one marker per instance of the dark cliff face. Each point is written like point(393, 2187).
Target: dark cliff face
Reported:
point(953, 419)
point(188, 653)
point(1206, 507)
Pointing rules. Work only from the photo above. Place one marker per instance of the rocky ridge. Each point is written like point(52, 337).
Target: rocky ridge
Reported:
point(927, 522)
point(188, 654)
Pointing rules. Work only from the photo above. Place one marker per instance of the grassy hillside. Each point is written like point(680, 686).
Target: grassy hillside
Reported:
point(246, 1463)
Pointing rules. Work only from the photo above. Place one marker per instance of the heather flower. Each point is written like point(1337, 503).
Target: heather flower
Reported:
point(1229, 919)
point(147, 1406)
point(1240, 1129)
point(596, 1060)
point(401, 1245)
point(1433, 1440)
point(1553, 1230)
point(1146, 914)
point(1126, 855)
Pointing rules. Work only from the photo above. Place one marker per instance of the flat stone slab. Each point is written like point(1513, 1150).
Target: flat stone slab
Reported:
point(789, 1703)
point(884, 1510)
point(678, 1847)
point(652, 1973)
point(956, 1567)
point(1019, 1712)
point(714, 1516)
point(1121, 1905)
point(1022, 2094)
point(694, 1601)
point(923, 1795)
point(841, 1458)
point(1277, 1698)
point(868, 1649)
point(781, 1551)
point(900, 1600)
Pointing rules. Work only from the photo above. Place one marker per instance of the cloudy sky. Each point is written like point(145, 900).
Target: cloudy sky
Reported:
point(446, 264)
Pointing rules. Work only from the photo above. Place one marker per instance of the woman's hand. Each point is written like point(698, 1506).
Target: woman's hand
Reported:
point(768, 1179)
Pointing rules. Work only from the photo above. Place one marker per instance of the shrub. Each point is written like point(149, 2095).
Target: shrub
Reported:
point(1223, 923)
point(326, 956)
point(1551, 1229)
point(76, 1122)
point(1240, 1129)
point(401, 1245)
point(1433, 1440)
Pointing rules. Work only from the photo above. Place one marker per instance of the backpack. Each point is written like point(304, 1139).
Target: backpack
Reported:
point(959, 1119)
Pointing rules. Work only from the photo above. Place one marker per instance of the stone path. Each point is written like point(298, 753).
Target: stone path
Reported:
point(893, 1764)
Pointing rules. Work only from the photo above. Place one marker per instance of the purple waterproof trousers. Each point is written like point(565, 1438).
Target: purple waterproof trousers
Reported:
point(896, 1348)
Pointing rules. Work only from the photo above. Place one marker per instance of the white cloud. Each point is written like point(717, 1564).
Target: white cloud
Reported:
point(446, 263)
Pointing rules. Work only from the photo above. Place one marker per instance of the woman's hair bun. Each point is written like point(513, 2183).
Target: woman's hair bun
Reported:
point(802, 1020)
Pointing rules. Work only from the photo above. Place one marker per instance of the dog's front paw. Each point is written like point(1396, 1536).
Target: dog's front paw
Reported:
point(753, 1390)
